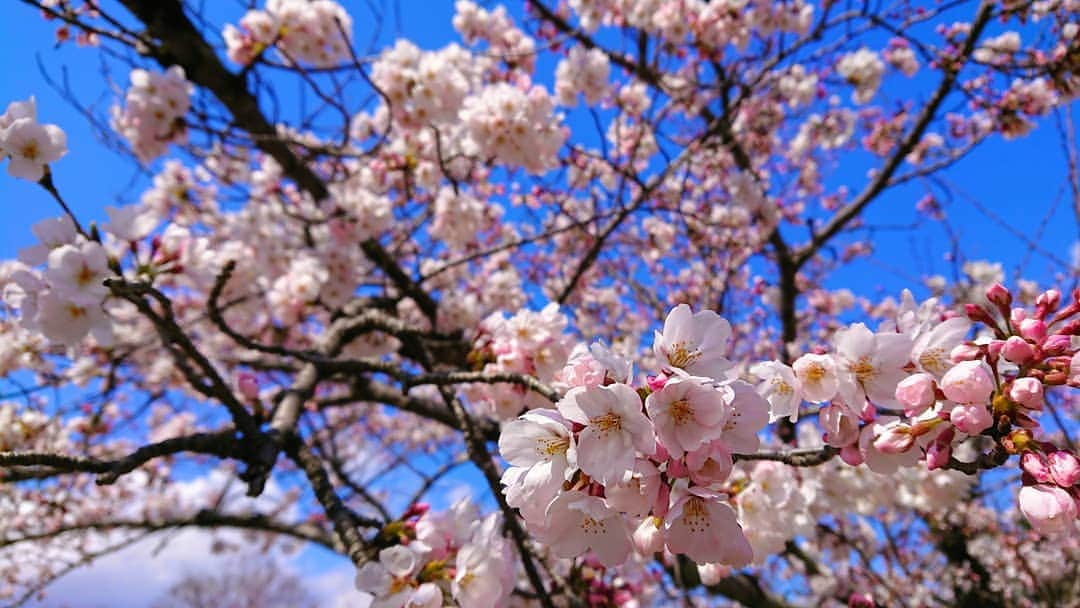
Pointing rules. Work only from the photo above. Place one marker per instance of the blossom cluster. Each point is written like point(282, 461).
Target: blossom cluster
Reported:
point(28, 145)
point(516, 126)
point(153, 112)
point(614, 469)
point(65, 301)
point(316, 32)
point(530, 343)
point(433, 556)
point(918, 387)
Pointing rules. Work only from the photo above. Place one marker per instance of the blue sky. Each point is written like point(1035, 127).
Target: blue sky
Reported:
point(1020, 180)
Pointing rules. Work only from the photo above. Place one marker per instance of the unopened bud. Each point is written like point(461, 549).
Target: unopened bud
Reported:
point(1033, 329)
point(964, 352)
point(1047, 302)
point(1064, 468)
point(1028, 392)
point(916, 393)
point(1035, 464)
point(999, 296)
point(895, 439)
point(1017, 350)
point(1056, 344)
point(851, 455)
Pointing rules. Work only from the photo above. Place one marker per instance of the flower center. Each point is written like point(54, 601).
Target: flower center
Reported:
point(30, 150)
point(681, 411)
point(679, 356)
point(607, 423)
point(592, 526)
point(550, 446)
point(695, 516)
point(863, 369)
point(781, 387)
point(84, 276)
point(933, 360)
point(814, 373)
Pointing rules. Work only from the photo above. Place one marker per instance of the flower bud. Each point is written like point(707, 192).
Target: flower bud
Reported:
point(971, 418)
point(968, 382)
point(895, 439)
point(656, 382)
point(248, 385)
point(916, 393)
point(1028, 392)
point(978, 314)
point(939, 451)
point(999, 296)
point(1035, 464)
point(1033, 329)
point(964, 352)
point(1064, 468)
point(1047, 302)
point(1056, 344)
point(1049, 509)
point(851, 455)
point(1017, 316)
point(1017, 350)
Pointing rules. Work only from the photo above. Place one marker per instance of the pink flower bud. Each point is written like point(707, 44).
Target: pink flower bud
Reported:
point(861, 600)
point(895, 439)
point(994, 348)
point(1017, 350)
point(964, 352)
point(1056, 344)
point(977, 313)
point(248, 385)
point(1048, 301)
point(1033, 329)
point(938, 452)
point(916, 393)
point(656, 382)
point(1017, 316)
point(968, 382)
point(1028, 392)
point(1035, 464)
point(999, 296)
point(971, 418)
point(1049, 509)
point(1064, 468)
point(851, 455)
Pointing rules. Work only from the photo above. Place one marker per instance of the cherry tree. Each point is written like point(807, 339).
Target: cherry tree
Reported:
point(580, 259)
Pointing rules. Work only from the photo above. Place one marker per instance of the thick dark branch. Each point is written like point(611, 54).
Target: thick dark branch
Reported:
point(346, 522)
point(223, 444)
